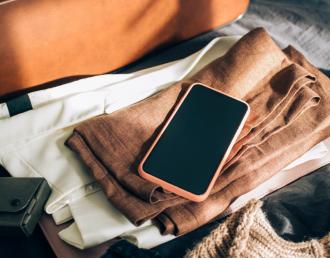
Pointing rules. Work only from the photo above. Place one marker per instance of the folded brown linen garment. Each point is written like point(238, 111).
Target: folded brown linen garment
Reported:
point(290, 108)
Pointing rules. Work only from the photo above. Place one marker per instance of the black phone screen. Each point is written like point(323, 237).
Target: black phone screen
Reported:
point(195, 141)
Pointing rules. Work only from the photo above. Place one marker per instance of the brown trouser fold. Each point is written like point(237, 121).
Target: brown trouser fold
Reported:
point(290, 108)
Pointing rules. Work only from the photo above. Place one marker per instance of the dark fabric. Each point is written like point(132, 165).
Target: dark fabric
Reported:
point(19, 105)
point(302, 210)
point(124, 249)
point(36, 246)
point(304, 24)
point(326, 72)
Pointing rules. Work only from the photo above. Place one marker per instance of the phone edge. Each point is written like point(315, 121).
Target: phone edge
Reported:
point(175, 189)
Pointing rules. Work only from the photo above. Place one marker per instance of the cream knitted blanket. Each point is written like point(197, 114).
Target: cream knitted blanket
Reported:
point(247, 233)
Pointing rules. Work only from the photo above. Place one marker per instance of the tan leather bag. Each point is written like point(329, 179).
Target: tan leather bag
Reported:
point(44, 40)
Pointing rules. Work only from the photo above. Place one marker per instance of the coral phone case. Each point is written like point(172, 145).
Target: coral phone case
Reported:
point(192, 147)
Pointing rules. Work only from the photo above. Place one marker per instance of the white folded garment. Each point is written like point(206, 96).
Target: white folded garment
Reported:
point(147, 237)
point(32, 142)
point(95, 221)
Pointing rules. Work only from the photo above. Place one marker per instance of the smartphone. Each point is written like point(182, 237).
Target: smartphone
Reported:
point(189, 152)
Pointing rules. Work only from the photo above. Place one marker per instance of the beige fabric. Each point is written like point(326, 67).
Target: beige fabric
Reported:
point(247, 233)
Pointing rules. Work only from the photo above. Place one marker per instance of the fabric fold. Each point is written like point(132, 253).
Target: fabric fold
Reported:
point(269, 104)
point(290, 108)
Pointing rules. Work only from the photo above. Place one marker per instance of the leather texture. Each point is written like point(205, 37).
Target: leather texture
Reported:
point(45, 40)
point(21, 204)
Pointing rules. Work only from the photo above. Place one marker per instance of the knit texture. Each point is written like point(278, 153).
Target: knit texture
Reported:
point(247, 233)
